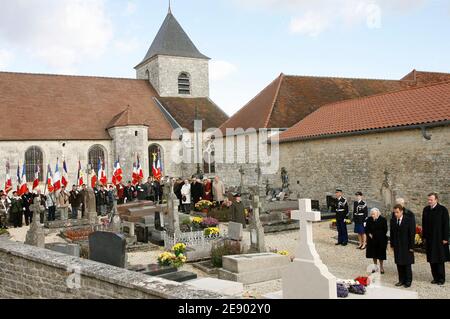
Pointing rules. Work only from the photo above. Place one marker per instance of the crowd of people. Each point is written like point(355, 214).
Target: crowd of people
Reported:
point(17, 210)
point(191, 191)
point(372, 229)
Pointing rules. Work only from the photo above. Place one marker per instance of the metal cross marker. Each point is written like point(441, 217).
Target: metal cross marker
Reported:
point(306, 216)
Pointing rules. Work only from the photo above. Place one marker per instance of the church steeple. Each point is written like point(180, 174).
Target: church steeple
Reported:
point(172, 40)
point(173, 64)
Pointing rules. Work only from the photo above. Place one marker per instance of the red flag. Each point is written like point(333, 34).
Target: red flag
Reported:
point(36, 177)
point(135, 178)
point(93, 179)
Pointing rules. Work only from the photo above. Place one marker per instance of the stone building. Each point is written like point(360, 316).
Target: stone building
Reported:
point(80, 118)
point(387, 146)
point(288, 100)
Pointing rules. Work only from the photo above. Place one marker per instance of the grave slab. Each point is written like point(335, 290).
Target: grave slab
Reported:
point(254, 262)
point(157, 270)
point(229, 288)
point(67, 249)
point(180, 276)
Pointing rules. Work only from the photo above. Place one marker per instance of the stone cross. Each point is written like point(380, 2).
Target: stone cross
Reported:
point(257, 240)
point(91, 209)
point(36, 235)
point(242, 173)
point(307, 269)
point(173, 223)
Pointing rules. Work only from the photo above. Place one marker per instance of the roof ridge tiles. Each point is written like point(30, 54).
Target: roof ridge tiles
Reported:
point(70, 76)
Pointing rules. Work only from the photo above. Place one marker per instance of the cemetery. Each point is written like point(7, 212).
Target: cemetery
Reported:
point(217, 259)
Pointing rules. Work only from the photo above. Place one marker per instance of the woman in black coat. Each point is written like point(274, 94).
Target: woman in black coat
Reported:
point(377, 241)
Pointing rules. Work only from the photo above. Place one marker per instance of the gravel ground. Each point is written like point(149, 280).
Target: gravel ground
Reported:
point(343, 262)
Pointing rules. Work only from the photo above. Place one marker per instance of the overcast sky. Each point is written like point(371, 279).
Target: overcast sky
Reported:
point(250, 41)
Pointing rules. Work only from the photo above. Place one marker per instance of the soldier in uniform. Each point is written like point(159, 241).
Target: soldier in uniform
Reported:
point(341, 215)
point(360, 214)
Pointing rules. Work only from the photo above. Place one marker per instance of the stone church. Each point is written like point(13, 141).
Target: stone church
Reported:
point(81, 118)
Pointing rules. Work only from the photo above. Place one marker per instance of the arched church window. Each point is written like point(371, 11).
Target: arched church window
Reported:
point(184, 83)
point(34, 159)
point(156, 156)
point(95, 154)
point(147, 75)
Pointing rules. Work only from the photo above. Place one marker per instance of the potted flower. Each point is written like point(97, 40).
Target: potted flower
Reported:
point(179, 249)
point(166, 259)
point(209, 222)
point(203, 206)
point(197, 223)
point(212, 232)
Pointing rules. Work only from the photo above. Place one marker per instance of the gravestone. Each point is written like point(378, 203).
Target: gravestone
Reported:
point(235, 231)
point(67, 249)
point(157, 270)
point(91, 208)
point(253, 268)
point(108, 248)
point(36, 235)
point(257, 241)
point(180, 276)
point(307, 269)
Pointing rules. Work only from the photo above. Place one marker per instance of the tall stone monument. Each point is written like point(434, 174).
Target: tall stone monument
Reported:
point(36, 235)
point(173, 218)
point(257, 241)
point(308, 277)
point(91, 208)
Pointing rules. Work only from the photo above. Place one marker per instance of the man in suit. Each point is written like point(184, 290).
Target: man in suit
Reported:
point(435, 222)
point(341, 215)
point(403, 232)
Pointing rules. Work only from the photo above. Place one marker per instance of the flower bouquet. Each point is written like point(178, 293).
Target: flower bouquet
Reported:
point(179, 249)
point(167, 259)
point(419, 237)
point(197, 223)
point(203, 206)
point(209, 222)
point(212, 232)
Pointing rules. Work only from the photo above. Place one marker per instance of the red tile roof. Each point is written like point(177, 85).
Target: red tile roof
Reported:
point(185, 110)
point(415, 106)
point(58, 107)
point(289, 99)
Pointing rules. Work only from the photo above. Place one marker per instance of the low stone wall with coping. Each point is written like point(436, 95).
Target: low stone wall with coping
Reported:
point(27, 272)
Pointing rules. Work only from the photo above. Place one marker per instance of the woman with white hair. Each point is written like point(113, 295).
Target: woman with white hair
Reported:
point(376, 231)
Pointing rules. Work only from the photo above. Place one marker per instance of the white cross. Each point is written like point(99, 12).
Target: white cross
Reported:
point(306, 216)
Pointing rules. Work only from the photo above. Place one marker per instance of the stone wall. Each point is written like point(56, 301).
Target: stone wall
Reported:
point(163, 72)
point(415, 165)
point(33, 273)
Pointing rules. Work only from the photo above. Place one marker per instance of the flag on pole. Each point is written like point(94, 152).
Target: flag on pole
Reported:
point(57, 178)
point(93, 178)
point(80, 176)
point(36, 177)
point(140, 170)
point(117, 175)
point(23, 185)
point(50, 187)
point(102, 173)
point(8, 182)
point(135, 175)
point(156, 167)
point(65, 175)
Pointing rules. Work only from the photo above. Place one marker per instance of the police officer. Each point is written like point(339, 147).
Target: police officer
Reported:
point(341, 215)
point(360, 214)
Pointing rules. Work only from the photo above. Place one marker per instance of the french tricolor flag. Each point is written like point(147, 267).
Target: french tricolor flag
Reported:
point(23, 183)
point(36, 177)
point(101, 173)
point(50, 179)
point(8, 182)
point(57, 178)
point(117, 175)
point(65, 175)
